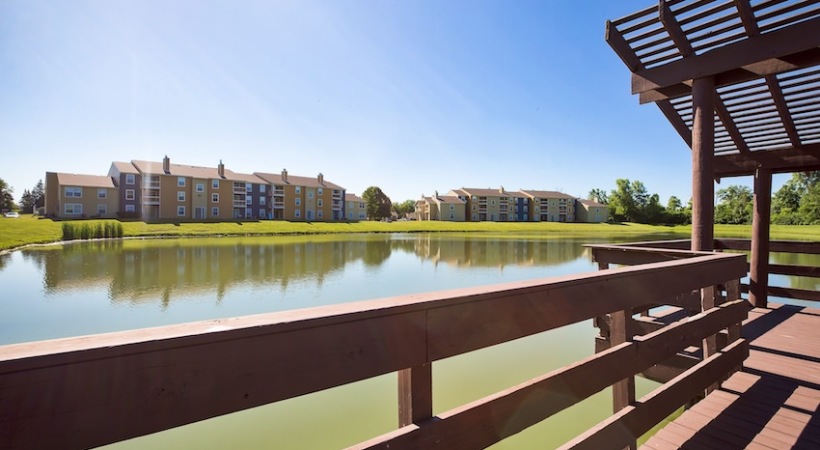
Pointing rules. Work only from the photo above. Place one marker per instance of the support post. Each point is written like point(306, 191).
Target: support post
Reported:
point(759, 266)
point(623, 392)
point(703, 153)
point(415, 394)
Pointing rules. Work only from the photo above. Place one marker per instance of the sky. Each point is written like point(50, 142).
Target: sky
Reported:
point(412, 96)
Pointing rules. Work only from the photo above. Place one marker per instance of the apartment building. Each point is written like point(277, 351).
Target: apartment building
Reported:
point(550, 206)
point(591, 212)
point(304, 198)
point(74, 196)
point(494, 205)
point(355, 207)
point(151, 190)
point(441, 207)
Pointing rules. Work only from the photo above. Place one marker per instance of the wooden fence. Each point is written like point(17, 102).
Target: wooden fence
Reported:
point(93, 390)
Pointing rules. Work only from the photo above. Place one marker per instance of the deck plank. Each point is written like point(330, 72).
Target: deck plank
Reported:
point(773, 402)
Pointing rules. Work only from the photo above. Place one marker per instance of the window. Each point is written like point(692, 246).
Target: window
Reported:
point(262, 213)
point(180, 196)
point(73, 192)
point(129, 208)
point(214, 212)
point(214, 198)
point(298, 213)
point(361, 205)
point(298, 201)
point(248, 187)
point(102, 210)
point(248, 200)
point(319, 214)
point(130, 178)
point(319, 202)
point(262, 188)
point(129, 194)
point(102, 193)
point(248, 213)
point(310, 194)
point(200, 187)
point(261, 200)
point(180, 211)
point(319, 191)
point(74, 209)
point(215, 184)
point(181, 181)
point(298, 189)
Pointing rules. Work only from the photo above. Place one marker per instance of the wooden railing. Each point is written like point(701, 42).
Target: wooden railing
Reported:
point(64, 393)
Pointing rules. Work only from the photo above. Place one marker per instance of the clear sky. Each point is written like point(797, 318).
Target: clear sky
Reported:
point(413, 96)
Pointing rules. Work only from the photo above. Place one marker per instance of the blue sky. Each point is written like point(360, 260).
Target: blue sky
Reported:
point(412, 96)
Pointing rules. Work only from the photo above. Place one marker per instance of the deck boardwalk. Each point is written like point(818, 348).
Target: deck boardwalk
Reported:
point(773, 402)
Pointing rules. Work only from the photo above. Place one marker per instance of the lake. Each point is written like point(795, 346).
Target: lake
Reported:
point(96, 287)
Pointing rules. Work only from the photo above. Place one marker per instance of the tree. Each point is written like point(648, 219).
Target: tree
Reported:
point(654, 212)
point(377, 203)
point(6, 198)
point(599, 196)
point(38, 194)
point(735, 205)
point(624, 200)
point(796, 201)
point(674, 205)
point(405, 207)
point(26, 202)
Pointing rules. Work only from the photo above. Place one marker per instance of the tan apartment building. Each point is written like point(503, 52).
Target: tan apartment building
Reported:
point(441, 207)
point(304, 198)
point(355, 207)
point(591, 212)
point(73, 196)
point(550, 206)
point(494, 205)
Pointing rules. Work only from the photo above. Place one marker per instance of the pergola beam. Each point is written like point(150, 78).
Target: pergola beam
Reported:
point(806, 158)
point(752, 51)
point(783, 110)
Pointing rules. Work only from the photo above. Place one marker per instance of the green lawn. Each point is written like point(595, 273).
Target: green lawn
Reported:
point(32, 230)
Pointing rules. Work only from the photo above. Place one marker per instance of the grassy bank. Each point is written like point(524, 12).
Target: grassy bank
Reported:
point(31, 230)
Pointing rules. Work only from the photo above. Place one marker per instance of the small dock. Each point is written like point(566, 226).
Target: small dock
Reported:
point(772, 403)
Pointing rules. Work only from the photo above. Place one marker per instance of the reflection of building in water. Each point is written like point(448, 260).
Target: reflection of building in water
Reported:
point(482, 252)
point(152, 271)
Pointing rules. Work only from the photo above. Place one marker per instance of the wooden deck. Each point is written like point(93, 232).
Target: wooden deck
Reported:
point(772, 403)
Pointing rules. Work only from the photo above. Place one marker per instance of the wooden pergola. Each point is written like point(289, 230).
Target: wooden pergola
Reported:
point(739, 81)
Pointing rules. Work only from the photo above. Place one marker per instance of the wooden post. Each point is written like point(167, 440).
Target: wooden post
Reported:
point(759, 267)
point(708, 297)
point(703, 152)
point(623, 392)
point(415, 394)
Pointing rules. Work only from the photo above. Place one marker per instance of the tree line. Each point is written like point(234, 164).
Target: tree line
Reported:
point(29, 201)
point(797, 202)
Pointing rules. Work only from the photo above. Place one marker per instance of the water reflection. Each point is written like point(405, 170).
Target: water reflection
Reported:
point(154, 270)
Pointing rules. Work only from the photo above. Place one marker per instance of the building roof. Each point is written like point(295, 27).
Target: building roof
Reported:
point(353, 198)
point(545, 194)
point(180, 170)
point(246, 177)
point(488, 192)
point(295, 180)
point(73, 179)
point(449, 199)
point(125, 167)
point(591, 203)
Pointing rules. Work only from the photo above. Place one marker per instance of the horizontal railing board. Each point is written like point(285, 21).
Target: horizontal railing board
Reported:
point(774, 246)
point(62, 392)
point(783, 292)
point(625, 426)
point(632, 254)
point(798, 271)
point(498, 416)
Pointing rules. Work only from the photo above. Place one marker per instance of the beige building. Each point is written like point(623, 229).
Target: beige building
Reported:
point(591, 212)
point(73, 196)
point(449, 208)
point(355, 207)
point(550, 206)
point(494, 205)
point(304, 198)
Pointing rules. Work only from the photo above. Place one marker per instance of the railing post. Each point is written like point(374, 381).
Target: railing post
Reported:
point(734, 330)
point(759, 264)
point(415, 394)
point(707, 301)
point(623, 392)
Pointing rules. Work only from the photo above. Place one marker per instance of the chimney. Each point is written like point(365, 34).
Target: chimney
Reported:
point(284, 175)
point(220, 169)
point(436, 194)
point(501, 190)
point(166, 165)
point(321, 179)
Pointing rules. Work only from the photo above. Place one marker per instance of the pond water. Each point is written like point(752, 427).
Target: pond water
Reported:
point(95, 287)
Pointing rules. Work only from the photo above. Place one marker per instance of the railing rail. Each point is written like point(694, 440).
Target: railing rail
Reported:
point(62, 393)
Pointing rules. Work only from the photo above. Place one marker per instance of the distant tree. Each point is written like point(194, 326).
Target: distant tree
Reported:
point(6, 198)
point(627, 201)
point(654, 212)
point(735, 205)
point(796, 201)
point(405, 207)
point(38, 194)
point(377, 203)
point(599, 196)
point(26, 202)
point(674, 205)
point(810, 205)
